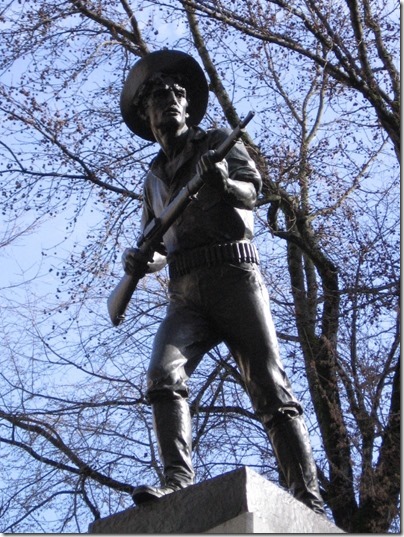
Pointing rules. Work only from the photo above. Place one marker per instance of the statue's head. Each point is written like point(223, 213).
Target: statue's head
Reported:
point(157, 69)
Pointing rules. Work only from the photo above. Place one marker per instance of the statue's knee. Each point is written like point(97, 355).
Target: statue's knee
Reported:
point(167, 389)
point(165, 379)
point(154, 396)
point(283, 415)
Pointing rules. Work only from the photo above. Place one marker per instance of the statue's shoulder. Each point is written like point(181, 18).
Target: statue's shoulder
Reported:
point(217, 135)
point(198, 133)
point(222, 132)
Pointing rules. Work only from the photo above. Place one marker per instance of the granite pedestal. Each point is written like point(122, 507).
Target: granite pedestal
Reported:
point(241, 501)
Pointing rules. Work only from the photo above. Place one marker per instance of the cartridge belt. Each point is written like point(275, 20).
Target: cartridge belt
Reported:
point(209, 256)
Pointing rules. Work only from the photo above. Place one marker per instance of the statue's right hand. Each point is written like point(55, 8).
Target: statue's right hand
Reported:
point(134, 262)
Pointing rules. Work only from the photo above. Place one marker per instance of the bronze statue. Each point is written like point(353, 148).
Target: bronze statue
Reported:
point(216, 289)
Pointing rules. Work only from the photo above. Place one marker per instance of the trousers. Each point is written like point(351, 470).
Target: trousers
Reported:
point(226, 303)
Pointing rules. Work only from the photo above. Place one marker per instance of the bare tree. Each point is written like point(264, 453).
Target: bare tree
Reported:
point(323, 79)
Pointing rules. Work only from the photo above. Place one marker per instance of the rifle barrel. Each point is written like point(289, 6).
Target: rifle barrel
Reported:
point(121, 295)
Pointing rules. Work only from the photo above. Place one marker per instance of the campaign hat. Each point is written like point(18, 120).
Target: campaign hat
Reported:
point(169, 62)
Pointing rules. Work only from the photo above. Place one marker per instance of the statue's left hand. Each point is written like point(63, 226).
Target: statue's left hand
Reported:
point(214, 174)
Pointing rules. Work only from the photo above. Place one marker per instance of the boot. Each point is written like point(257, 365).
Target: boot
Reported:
point(172, 426)
point(291, 443)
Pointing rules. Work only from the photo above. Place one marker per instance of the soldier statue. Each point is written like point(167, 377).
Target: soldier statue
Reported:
point(216, 291)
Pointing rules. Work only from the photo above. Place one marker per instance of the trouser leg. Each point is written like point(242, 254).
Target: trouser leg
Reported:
point(182, 339)
point(250, 333)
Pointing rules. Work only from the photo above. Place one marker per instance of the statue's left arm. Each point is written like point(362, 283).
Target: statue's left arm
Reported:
point(236, 177)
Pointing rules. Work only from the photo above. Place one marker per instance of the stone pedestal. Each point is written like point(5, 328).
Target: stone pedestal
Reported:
point(237, 502)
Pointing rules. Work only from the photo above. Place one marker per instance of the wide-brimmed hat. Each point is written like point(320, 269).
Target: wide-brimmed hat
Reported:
point(171, 62)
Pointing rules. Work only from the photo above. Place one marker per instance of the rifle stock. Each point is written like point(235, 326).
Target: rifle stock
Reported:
point(120, 297)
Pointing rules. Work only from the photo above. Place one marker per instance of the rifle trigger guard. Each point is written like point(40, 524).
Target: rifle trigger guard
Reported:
point(191, 196)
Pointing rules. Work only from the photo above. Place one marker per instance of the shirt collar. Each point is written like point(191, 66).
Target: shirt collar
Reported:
point(196, 134)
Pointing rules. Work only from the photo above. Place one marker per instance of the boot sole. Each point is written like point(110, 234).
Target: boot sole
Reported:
point(146, 494)
point(144, 497)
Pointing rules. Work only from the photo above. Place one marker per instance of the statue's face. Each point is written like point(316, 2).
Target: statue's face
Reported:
point(166, 105)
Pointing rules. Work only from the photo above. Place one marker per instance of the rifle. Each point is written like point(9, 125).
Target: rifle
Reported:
point(154, 231)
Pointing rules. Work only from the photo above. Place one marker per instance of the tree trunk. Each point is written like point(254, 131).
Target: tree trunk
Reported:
point(319, 357)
